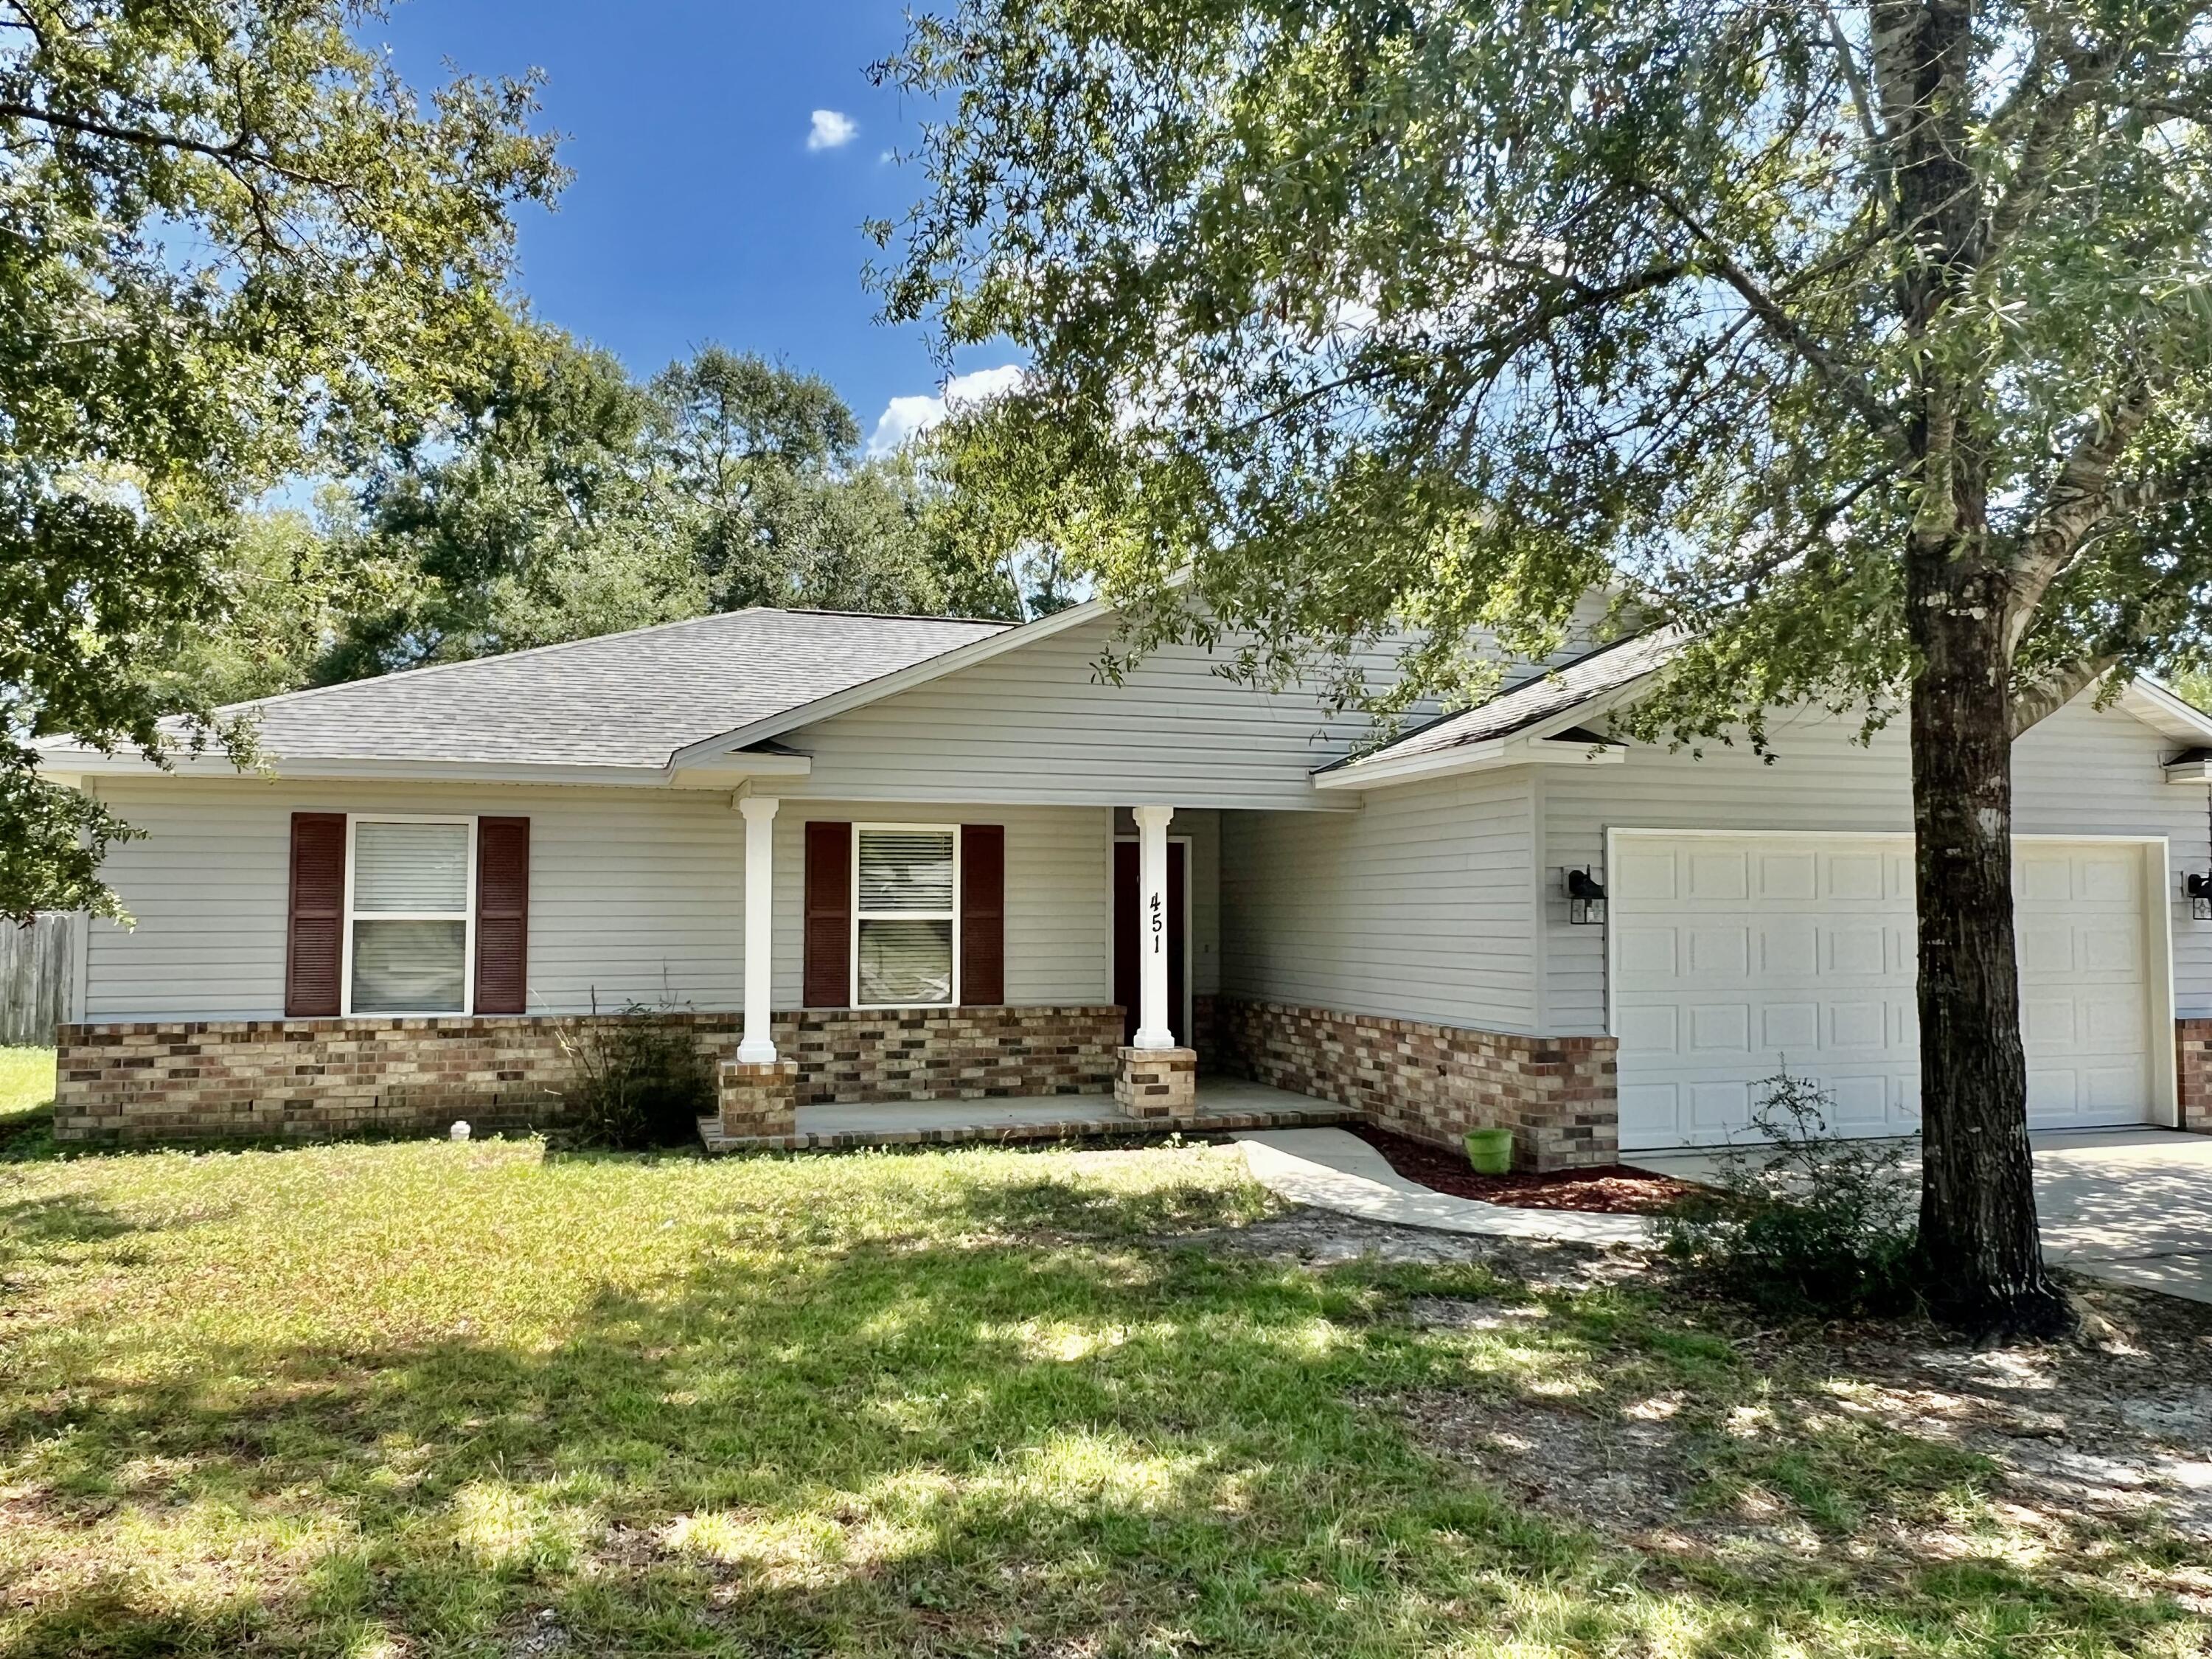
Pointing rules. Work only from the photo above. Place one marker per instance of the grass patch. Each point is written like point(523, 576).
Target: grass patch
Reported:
point(424, 1398)
point(27, 1102)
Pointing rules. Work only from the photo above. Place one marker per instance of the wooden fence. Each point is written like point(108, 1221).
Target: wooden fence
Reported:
point(35, 978)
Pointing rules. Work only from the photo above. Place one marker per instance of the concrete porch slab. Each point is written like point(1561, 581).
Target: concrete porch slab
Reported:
point(1223, 1106)
point(2131, 1206)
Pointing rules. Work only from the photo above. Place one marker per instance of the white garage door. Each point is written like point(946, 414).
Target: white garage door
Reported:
point(1737, 955)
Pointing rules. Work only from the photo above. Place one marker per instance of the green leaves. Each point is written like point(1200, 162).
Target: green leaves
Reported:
point(566, 501)
point(233, 247)
point(1437, 315)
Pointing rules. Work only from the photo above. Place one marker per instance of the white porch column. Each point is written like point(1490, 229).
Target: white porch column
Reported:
point(1152, 1029)
point(758, 1048)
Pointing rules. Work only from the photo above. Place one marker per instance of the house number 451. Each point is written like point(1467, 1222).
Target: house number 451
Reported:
point(1159, 924)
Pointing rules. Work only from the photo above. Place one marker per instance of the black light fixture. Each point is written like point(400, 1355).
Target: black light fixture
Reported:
point(2199, 887)
point(1585, 898)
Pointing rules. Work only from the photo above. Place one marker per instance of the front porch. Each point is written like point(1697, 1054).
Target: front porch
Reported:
point(1221, 1106)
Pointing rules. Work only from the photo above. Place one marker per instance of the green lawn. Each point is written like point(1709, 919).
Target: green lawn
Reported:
point(423, 1398)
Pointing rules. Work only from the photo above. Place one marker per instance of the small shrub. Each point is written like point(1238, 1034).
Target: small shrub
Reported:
point(640, 1082)
point(1804, 1222)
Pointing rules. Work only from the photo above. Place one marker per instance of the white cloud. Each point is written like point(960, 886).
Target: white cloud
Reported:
point(903, 417)
point(830, 129)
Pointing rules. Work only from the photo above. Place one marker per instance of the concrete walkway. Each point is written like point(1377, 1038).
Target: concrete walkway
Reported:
point(2130, 1205)
point(1330, 1169)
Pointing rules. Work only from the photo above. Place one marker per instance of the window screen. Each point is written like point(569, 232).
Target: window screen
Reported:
point(903, 924)
point(409, 922)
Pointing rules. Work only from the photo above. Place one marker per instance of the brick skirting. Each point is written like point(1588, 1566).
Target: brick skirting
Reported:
point(250, 1079)
point(1435, 1082)
point(2192, 1072)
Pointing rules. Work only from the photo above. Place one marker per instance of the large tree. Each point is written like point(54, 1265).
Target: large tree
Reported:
point(557, 498)
point(1870, 344)
point(530, 510)
point(231, 241)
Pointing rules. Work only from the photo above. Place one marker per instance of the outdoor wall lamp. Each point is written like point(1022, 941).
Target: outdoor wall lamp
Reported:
point(2199, 889)
point(1586, 898)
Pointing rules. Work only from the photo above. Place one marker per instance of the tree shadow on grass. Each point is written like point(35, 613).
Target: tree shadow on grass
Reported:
point(893, 1446)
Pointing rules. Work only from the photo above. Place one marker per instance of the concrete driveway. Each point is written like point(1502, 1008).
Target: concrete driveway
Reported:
point(2130, 1205)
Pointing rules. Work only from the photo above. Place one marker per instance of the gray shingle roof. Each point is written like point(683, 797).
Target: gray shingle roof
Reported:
point(1564, 689)
point(620, 699)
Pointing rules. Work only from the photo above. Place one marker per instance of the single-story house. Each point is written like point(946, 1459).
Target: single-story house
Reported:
point(870, 858)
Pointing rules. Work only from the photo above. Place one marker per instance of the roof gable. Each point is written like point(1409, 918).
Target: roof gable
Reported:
point(1521, 724)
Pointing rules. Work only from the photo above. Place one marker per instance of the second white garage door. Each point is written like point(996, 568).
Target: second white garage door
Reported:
point(1735, 955)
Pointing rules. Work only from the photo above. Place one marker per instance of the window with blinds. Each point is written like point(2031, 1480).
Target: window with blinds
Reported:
point(904, 917)
point(408, 925)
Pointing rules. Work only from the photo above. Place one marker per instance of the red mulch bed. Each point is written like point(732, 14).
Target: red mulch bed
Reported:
point(1608, 1189)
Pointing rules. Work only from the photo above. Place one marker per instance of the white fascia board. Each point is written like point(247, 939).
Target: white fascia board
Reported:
point(722, 771)
point(1384, 771)
point(2197, 772)
point(885, 685)
point(2150, 701)
point(1492, 755)
point(1533, 746)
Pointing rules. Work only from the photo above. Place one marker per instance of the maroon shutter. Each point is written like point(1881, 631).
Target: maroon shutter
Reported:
point(982, 913)
point(502, 915)
point(829, 976)
point(314, 940)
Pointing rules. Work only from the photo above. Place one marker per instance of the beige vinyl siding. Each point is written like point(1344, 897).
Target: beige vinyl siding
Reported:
point(1057, 893)
point(635, 896)
point(1418, 907)
point(2082, 772)
point(1039, 724)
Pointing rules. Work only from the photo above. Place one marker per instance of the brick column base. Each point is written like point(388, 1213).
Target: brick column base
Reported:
point(1156, 1082)
point(2192, 1075)
point(759, 1100)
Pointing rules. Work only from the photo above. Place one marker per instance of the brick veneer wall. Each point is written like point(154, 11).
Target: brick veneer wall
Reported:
point(1436, 1082)
point(219, 1078)
point(951, 1053)
point(2192, 1045)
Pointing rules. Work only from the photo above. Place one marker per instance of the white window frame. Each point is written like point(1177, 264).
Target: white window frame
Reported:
point(853, 989)
point(468, 922)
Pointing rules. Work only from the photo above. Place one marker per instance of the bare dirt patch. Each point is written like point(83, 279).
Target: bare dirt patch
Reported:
point(1322, 1238)
point(1877, 1449)
point(1611, 1189)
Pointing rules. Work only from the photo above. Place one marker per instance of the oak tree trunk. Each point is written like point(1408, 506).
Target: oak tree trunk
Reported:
point(1978, 1221)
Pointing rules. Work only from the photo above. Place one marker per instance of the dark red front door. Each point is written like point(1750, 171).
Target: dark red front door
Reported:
point(1128, 937)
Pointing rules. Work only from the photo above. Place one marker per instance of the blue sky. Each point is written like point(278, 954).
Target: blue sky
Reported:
point(698, 210)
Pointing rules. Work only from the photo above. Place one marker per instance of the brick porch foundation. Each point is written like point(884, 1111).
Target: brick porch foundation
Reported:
point(1156, 1082)
point(1434, 1083)
point(757, 1099)
point(213, 1079)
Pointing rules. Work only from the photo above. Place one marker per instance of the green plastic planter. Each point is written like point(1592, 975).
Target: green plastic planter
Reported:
point(1490, 1151)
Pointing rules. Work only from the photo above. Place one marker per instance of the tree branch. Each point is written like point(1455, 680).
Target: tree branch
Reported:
point(1862, 100)
point(237, 152)
point(2047, 132)
point(1835, 376)
point(2055, 690)
point(2077, 503)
